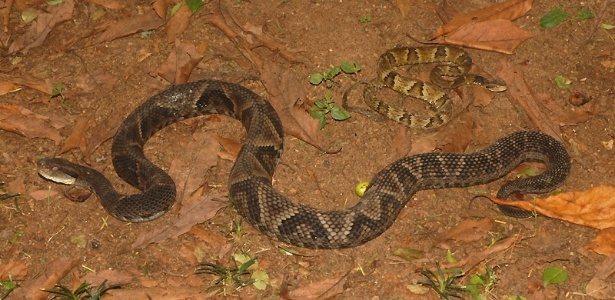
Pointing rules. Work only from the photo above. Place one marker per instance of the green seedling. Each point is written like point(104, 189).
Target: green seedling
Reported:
point(83, 292)
point(328, 76)
point(233, 278)
point(325, 106)
point(442, 282)
point(7, 287)
point(481, 285)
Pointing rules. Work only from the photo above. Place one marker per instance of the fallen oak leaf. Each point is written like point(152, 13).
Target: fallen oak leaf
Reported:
point(592, 208)
point(492, 35)
point(42, 26)
point(507, 10)
point(469, 230)
point(190, 215)
point(22, 121)
point(604, 242)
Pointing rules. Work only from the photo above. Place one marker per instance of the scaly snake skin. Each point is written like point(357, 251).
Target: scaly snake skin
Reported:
point(250, 182)
point(454, 63)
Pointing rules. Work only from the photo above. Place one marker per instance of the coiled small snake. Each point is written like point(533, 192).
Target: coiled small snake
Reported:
point(250, 182)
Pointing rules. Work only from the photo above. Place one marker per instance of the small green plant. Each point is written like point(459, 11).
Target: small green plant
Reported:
point(325, 106)
point(553, 275)
point(482, 284)
point(562, 82)
point(442, 282)
point(365, 19)
point(554, 17)
point(83, 292)
point(234, 277)
point(7, 287)
point(327, 76)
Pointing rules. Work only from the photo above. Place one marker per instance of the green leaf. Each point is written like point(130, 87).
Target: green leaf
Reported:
point(527, 172)
point(365, 19)
point(449, 256)
point(553, 18)
point(57, 89)
point(317, 113)
point(321, 104)
point(332, 72)
point(260, 279)
point(54, 2)
point(175, 8)
point(339, 114)
point(607, 26)
point(328, 97)
point(316, 78)
point(408, 254)
point(195, 6)
point(562, 82)
point(554, 275)
point(322, 122)
point(585, 14)
point(28, 15)
point(348, 68)
point(473, 289)
point(477, 279)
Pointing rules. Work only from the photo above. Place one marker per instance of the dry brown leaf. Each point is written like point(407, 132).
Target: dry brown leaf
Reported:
point(110, 275)
point(178, 23)
point(454, 137)
point(593, 208)
point(180, 63)
point(104, 130)
point(6, 87)
point(404, 6)
point(189, 170)
point(507, 10)
point(469, 230)
point(401, 142)
point(54, 271)
point(286, 91)
point(493, 35)
point(604, 243)
point(42, 194)
point(22, 121)
point(598, 287)
point(76, 139)
point(41, 85)
point(166, 293)
point(42, 26)
point(13, 269)
point(160, 7)
point(128, 26)
point(198, 212)
point(476, 258)
point(561, 116)
point(324, 289)
point(111, 4)
point(213, 240)
point(520, 92)
point(231, 148)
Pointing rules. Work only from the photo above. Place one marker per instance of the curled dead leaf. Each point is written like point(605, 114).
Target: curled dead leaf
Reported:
point(593, 208)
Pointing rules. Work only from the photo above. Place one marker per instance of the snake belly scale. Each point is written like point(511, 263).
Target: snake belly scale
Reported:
point(250, 181)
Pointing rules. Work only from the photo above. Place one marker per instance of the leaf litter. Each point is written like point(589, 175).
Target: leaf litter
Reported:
point(117, 33)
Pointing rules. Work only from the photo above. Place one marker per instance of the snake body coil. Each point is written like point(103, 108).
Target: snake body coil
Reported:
point(250, 182)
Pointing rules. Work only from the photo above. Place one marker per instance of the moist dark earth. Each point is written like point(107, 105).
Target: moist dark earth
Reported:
point(36, 232)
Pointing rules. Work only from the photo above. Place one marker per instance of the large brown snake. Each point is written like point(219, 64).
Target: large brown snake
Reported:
point(250, 182)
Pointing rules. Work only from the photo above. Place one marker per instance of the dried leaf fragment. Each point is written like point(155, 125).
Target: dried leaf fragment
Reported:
point(593, 208)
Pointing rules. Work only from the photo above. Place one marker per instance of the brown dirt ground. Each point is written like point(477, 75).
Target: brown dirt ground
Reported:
point(324, 33)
